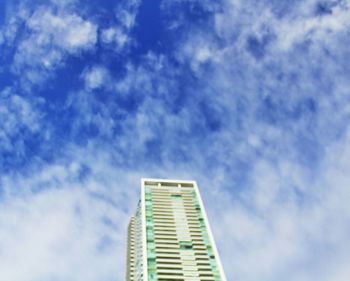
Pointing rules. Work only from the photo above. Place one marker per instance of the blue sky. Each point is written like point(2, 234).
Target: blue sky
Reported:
point(249, 98)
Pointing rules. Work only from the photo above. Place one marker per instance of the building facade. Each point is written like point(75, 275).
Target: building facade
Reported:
point(169, 237)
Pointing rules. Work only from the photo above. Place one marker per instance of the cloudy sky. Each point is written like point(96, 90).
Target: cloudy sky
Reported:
point(249, 98)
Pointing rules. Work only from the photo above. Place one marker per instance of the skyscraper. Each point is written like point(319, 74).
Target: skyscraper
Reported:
point(169, 237)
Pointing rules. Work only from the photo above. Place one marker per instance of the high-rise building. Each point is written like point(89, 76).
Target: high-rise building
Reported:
point(169, 237)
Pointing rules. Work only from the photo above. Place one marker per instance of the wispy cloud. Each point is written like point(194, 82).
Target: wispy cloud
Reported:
point(250, 99)
point(20, 120)
point(62, 222)
point(49, 38)
point(95, 77)
point(114, 36)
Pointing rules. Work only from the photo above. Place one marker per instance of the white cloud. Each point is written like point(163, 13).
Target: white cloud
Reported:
point(56, 31)
point(299, 24)
point(96, 77)
point(288, 220)
point(118, 36)
point(311, 27)
point(66, 31)
point(58, 226)
point(280, 231)
point(50, 37)
point(60, 235)
point(14, 18)
point(63, 3)
point(274, 216)
point(115, 36)
point(2, 39)
point(126, 14)
point(199, 51)
point(19, 116)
